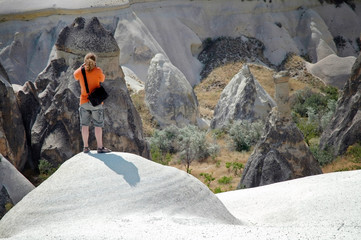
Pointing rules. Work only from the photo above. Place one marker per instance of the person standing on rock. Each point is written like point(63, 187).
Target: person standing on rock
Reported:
point(87, 112)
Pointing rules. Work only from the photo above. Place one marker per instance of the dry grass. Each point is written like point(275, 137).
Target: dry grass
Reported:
point(342, 163)
point(149, 123)
point(217, 167)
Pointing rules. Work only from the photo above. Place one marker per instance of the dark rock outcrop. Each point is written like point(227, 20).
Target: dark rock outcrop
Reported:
point(13, 143)
point(50, 105)
point(242, 99)
point(5, 200)
point(223, 50)
point(344, 128)
point(281, 154)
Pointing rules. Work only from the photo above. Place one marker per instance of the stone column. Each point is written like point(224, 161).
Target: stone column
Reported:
point(282, 94)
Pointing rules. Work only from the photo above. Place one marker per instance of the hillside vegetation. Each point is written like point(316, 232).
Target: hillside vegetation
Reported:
point(222, 171)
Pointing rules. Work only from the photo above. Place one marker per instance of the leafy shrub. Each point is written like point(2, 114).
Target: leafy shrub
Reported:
point(323, 157)
point(165, 140)
point(236, 166)
point(46, 169)
point(208, 178)
point(355, 152)
point(217, 190)
point(317, 108)
point(158, 156)
point(245, 134)
point(193, 145)
point(225, 180)
point(189, 142)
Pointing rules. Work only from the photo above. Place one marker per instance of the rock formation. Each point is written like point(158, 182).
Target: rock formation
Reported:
point(281, 154)
point(224, 50)
point(168, 94)
point(242, 99)
point(332, 70)
point(344, 128)
point(92, 188)
point(13, 185)
point(50, 105)
point(13, 143)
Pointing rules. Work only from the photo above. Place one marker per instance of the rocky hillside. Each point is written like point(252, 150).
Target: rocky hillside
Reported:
point(194, 38)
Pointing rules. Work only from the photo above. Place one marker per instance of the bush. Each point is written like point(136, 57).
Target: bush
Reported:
point(245, 134)
point(217, 190)
point(46, 169)
point(165, 140)
point(355, 152)
point(323, 157)
point(225, 180)
point(236, 166)
point(192, 145)
point(208, 178)
point(158, 156)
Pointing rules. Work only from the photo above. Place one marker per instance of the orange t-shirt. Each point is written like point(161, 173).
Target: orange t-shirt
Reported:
point(94, 78)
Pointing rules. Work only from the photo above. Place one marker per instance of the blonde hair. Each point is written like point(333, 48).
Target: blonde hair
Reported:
point(90, 61)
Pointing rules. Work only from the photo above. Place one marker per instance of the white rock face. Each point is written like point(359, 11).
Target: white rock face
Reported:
point(168, 94)
point(333, 70)
point(177, 28)
point(242, 99)
point(124, 196)
point(15, 183)
point(111, 187)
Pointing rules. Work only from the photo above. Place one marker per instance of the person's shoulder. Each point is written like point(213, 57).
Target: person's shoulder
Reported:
point(77, 72)
point(98, 69)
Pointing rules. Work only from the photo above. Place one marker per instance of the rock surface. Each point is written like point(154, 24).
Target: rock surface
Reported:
point(13, 144)
point(168, 94)
point(344, 128)
point(13, 185)
point(332, 70)
point(281, 154)
point(111, 187)
point(123, 196)
point(242, 99)
point(178, 28)
point(51, 104)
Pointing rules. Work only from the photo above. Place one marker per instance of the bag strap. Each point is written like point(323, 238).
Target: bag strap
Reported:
point(85, 81)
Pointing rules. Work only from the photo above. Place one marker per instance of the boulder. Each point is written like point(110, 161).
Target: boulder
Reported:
point(51, 103)
point(332, 70)
point(13, 144)
point(281, 154)
point(13, 185)
point(242, 99)
point(344, 128)
point(168, 94)
point(102, 192)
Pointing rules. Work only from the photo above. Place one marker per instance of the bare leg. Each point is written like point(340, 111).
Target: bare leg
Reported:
point(99, 136)
point(85, 135)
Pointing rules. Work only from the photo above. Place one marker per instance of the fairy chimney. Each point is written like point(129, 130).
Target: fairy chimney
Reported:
point(81, 37)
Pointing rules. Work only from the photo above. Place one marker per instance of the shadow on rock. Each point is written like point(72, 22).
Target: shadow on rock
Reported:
point(122, 167)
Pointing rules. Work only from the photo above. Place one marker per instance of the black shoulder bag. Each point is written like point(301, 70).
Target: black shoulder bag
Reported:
point(98, 95)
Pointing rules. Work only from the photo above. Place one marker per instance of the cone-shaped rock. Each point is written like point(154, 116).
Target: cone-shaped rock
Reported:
point(51, 103)
point(344, 128)
point(242, 99)
point(169, 95)
point(281, 154)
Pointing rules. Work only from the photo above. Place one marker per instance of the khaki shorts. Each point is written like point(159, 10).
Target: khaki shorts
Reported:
point(88, 113)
